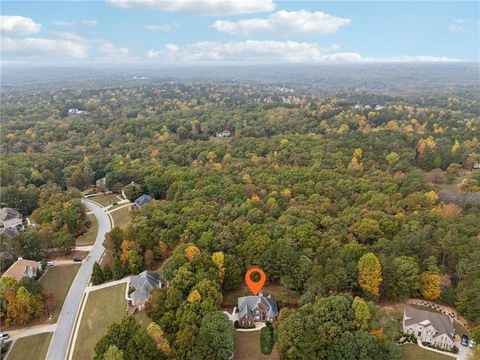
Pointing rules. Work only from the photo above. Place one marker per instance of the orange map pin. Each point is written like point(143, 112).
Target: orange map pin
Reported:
point(255, 286)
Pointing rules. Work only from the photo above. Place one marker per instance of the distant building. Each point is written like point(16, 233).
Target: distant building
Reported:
point(224, 133)
point(378, 107)
point(367, 107)
point(139, 288)
point(358, 106)
point(430, 327)
point(75, 111)
point(142, 200)
point(256, 308)
point(476, 165)
point(11, 221)
point(23, 268)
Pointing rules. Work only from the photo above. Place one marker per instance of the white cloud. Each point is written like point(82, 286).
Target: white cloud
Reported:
point(200, 7)
point(110, 49)
point(89, 22)
point(86, 22)
point(44, 49)
point(64, 23)
point(162, 27)
point(285, 23)
point(252, 51)
point(18, 25)
point(461, 24)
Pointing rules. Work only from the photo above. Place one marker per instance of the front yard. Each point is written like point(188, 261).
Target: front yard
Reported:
point(57, 281)
point(414, 352)
point(88, 238)
point(105, 200)
point(31, 347)
point(104, 307)
point(121, 217)
point(247, 347)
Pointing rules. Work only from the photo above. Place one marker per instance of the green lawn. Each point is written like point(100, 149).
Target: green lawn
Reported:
point(57, 281)
point(105, 200)
point(142, 318)
point(103, 308)
point(414, 352)
point(121, 218)
point(88, 238)
point(247, 347)
point(31, 347)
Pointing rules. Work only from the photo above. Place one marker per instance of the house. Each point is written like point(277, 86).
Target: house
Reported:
point(378, 107)
point(430, 327)
point(256, 308)
point(476, 165)
point(142, 200)
point(11, 221)
point(23, 268)
point(139, 287)
point(75, 111)
point(224, 133)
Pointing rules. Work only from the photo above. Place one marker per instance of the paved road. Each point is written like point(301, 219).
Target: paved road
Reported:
point(66, 321)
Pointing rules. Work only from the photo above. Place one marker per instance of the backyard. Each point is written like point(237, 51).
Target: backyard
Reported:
point(57, 281)
point(103, 308)
point(31, 347)
point(247, 347)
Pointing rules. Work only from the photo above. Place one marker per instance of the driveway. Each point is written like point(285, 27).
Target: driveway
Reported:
point(463, 351)
point(59, 344)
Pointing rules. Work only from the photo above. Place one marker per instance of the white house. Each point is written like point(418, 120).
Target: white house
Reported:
point(431, 327)
point(224, 133)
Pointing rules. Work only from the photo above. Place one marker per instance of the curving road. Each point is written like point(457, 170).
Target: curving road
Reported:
point(66, 322)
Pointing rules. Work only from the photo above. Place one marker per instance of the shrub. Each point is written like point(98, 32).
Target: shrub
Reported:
point(236, 324)
point(266, 339)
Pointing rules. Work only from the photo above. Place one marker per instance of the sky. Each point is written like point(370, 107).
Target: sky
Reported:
point(239, 31)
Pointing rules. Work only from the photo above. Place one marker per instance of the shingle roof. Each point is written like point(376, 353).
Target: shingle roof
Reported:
point(246, 304)
point(440, 322)
point(9, 213)
point(143, 283)
point(142, 200)
point(21, 268)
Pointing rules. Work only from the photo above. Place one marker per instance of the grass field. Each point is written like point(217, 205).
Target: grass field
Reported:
point(247, 347)
point(57, 281)
point(31, 347)
point(105, 200)
point(88, 238)
point(414, 352)
point(121, 217)
point(103, 308)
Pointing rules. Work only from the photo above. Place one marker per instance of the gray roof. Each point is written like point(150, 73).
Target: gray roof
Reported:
point(9, 213)
point(11, 232)
point(440, 322)
point(143, 283)
point(142, 200)
point(247, 304)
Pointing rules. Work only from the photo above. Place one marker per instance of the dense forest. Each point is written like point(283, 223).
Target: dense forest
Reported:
point(333, 201)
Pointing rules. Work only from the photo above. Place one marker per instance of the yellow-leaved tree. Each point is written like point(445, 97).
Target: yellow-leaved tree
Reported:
point(191, 251)
point(218, 259)
point(156, 332)
point(430, 285)
point(370, 274)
